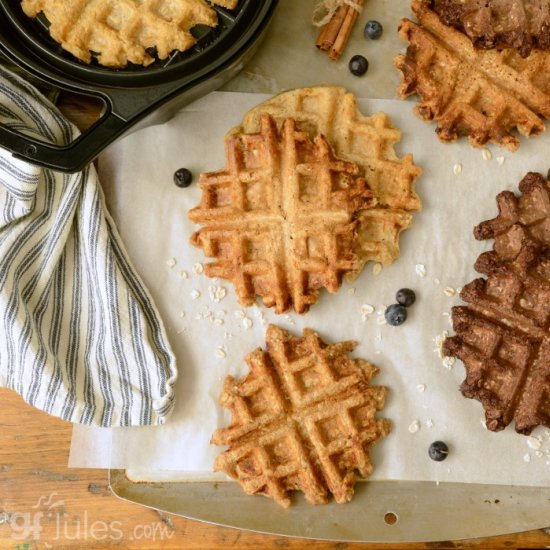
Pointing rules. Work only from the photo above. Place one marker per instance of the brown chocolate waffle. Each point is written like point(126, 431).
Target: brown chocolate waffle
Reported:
point(482, 94)
point(121, 31)
point(288, 216)
point(303, 419)
point(502, 335)
point(518, 24)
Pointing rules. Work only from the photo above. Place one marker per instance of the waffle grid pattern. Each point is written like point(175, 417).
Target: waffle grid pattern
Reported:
point(303, 419)
point(483, 94)
point(502, 335)
point(378, 220)
point(366, 141)
point(280, 218)
point(121, 31)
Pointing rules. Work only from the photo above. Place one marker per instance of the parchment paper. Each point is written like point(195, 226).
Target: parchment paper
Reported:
point(424, 402)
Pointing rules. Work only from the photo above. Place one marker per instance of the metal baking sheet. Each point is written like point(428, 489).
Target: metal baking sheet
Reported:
point(382, 511)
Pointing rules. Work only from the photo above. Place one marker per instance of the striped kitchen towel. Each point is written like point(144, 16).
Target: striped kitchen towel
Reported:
point(80, 337)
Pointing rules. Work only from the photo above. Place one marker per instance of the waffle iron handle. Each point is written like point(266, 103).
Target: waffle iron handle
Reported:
point(70, 158)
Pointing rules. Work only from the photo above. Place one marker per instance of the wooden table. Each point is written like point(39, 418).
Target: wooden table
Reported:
point(74, 508)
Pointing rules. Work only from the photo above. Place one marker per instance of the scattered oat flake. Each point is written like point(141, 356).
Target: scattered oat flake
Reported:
point(195, 294)
point(449, 291)
point(381, 320)
point(182, 313)
point(218, 321)
point(500, 160)
point(457, 169)
point(421, 387)
point(171, 262)
point(351, 291)
point(437, 281)
point(198, 268)
point(483, 422)
point(376, 269)
point(414, 426)
point(526, 457)
point(240, 314)
point(367, 309)
point(429, 423)
point(181, 331)
point(448, 362)
point(534, 443)
point(220, 352)
point(184, 274)
point(261, 316)
point(539, 454)
point(486, 154)
point(421, 270)
point(217, 293)
point(205, 314)
point(247, 323)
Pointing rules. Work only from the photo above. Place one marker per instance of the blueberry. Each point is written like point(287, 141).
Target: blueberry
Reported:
point(183, 177)
point(373, 30)
point(406, 297)
point(395, 315)
point(358, 65)
point(438, 451)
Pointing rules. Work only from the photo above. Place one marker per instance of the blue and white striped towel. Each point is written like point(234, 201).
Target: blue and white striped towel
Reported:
point(80, 336)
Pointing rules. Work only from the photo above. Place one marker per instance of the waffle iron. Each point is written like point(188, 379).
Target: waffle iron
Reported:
point(131, 97)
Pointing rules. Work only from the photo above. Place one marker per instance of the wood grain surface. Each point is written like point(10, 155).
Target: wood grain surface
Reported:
point(44, 504)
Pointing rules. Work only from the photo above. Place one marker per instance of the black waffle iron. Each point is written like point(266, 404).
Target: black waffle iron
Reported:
point(132, 95)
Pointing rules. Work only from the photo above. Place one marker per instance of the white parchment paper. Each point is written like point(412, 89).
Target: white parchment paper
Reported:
point(212, 333)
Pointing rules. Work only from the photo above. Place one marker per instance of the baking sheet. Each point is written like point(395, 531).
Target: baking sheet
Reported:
point(423, 511)
point(458, 189)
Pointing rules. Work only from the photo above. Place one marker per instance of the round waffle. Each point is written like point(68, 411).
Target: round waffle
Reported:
point(303, 419)
point(502, 334)
point(311, 191)
point(121, 31)
point(482, 94)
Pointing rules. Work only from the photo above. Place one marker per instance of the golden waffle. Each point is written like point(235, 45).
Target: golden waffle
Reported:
point(121, 31)
point(502, 335)
point(285, 218)
point(483, 94)
point(518, 24)
point(303, 419)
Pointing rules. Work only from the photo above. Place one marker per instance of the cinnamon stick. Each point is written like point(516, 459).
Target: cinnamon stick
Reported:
point(329, 32)
point(339, 45)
